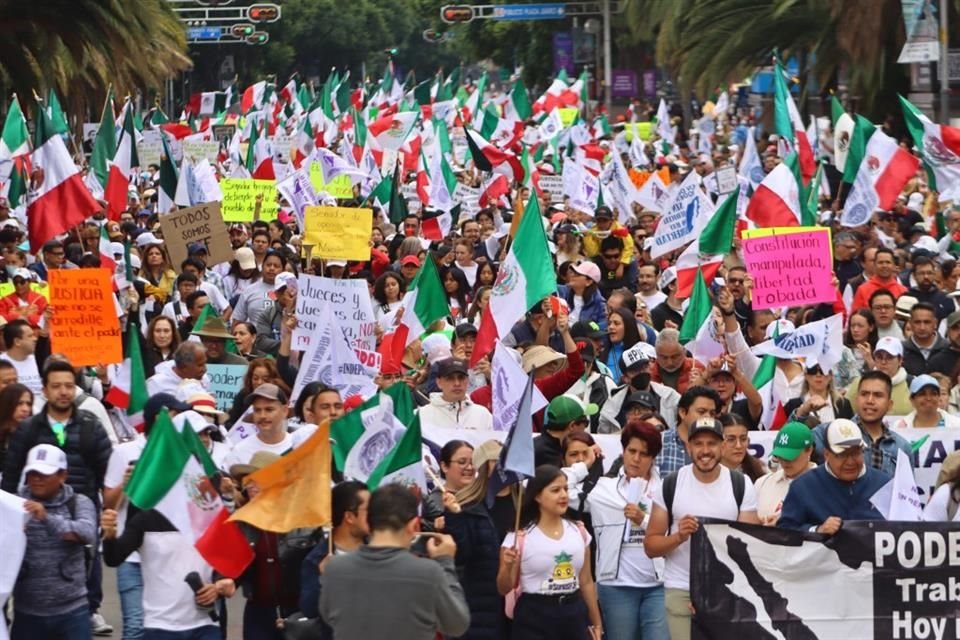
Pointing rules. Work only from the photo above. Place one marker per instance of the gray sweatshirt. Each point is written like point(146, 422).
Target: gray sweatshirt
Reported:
point(53, 576)
point(404, 597)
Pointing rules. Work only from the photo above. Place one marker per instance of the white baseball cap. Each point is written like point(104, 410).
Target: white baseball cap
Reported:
point(45, 459)
point(194, 419)
point(843, 434)
point(890, 345)
point(147, 238)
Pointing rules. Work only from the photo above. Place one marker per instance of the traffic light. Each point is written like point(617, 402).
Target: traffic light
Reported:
point(392, 52)
point(258, 37)
point(452, 14)
point(242, 30)
point(263, 13)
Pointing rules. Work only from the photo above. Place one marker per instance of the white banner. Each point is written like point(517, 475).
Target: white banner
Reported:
point(684, 215)
point(13, 519)
point(820, 342)
point(348, 300)
point(507, 383)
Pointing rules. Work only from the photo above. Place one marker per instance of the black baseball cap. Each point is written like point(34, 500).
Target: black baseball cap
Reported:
point(160, 401)
point(642, 398)
point(452, 366)
point(465, 329)
point(587, 329)
point(706, 425)
point(603, 211)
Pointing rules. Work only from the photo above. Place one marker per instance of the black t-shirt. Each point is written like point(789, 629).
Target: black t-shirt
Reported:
point(663, 312)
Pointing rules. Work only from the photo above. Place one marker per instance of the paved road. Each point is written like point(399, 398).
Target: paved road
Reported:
point(111, 608)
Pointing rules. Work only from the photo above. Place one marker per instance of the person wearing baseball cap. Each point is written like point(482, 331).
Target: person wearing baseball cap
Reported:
point(409, 265)
point(451, 407)
point(23, 303)
point(565, 415)
point(582, 294)
point(793, 449)
point(925, 396)
point(50, 599)
point(269, 405)
point(821, 499)
point(888, 358)
point(604, 226)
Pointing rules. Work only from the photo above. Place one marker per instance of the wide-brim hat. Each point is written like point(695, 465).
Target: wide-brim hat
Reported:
point(213, 327)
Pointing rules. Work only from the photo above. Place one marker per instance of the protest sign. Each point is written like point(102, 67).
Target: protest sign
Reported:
point(13, 522)
point(642, 129)
point(877, 580)
point(507, 386)
point(197, 149)
point(469, 200)
point(568, 115)
point(726, 179)
point(348, 299)
point(552, 185)
point(684, 214)
point(790, 269)
point(298, 191)
point(240, 199)
point(341, 233)
point(150, 148)
point(225, 381)
point(340, 187)
point(223, 133)
point(203, 224)
point(85, 327)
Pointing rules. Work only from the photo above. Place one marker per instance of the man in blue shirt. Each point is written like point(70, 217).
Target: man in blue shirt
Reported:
point(695, 403)
point(821, 499)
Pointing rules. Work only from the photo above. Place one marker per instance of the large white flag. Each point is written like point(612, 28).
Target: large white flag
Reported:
point(820, 342)
point(13, 519)
point(900, 498)
point(684, 215)
point(508, 382)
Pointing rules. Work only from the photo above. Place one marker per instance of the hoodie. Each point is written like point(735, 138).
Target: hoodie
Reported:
point(53, 575)
point(404, 597)
point(455, 415)
point(166, 380)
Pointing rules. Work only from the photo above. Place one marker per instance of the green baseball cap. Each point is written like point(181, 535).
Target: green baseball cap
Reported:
point(564, 409)
point(791, 441)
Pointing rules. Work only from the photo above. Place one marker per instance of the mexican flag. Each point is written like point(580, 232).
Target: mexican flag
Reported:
point(489, 158)
point(939, 147)
point(365, 438)
point(253, 96)
point(173, 476)
point(788, 124)
point(259, 156)
point(423, 304)
point(129, 388)
point(699, 329)
point(471, 107)
point(525, 278)
point(61, 200)
point(885, 168)
point(104, 144)
point(207, 103)
point(14, 141)
point(776, 202)
point(518, 105)
point(704, 256)
point(391, 131)
point(843, 125)
point(121, 168)
point(773, 416)
point(404, 462)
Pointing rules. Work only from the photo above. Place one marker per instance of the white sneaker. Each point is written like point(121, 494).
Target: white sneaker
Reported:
point(99, 626)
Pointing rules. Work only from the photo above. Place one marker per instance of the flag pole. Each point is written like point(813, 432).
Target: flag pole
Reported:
point(516, 519)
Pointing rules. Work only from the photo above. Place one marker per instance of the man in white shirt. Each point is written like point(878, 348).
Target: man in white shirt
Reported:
point(21, 341)
point(451, 408)
point(704, 488)
point(647, 276)
point(269, 404)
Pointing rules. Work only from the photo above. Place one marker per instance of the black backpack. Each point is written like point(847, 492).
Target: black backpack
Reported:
point(737, 479)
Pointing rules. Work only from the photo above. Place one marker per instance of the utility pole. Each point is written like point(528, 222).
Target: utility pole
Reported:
point(944, 64)
point(607, 64)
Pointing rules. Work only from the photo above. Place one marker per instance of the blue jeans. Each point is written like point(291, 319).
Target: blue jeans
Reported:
point(74, 625)
point(631, 613)
point(206, 632)
point(130, 588)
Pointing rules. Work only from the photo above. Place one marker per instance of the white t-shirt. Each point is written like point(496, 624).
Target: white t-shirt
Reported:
point(244, 450)
point(653, 299)
point(120, 458)
point(551, 567)
point(27, 373)
point(692, 497)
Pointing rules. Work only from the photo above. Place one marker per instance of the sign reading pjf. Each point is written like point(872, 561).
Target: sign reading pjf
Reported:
point(84, 326)
point(339, 233)
point(790, 267)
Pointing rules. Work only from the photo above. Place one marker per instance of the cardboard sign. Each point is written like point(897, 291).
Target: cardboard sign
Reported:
point(197, 149)
point(225, 381)
point(240, 199)
point(341, 233)
point(84, 326)
point(350, 302)
point(791, 268)
point(568, 115)
point(726, 179)
point(340, 187)
point(202, 223)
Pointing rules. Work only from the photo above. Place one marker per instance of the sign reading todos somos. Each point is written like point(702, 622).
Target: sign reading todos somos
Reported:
point(202, 224)
point(871, 580)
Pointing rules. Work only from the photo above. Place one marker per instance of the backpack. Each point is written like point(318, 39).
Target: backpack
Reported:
point(670, 488)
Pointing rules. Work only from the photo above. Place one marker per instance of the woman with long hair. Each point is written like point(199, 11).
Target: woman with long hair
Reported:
point(734, 453)
point(819, 401)
point(456, 465)
point(257, 298)
point(260, 371)
point(486, 275)
point(549, 559)
point(156, 270)
point(245, 336)
point(16, 405)
point(457, 289)
point(859, 341)
point(161, 342)
point(622, 333)
point(480, 300)
point(582, 294)
point(388, 292)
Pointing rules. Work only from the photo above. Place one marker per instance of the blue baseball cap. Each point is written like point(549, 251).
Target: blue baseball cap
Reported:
point(921, 382)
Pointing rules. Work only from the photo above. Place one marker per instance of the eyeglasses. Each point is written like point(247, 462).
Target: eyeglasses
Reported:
point(463, 462)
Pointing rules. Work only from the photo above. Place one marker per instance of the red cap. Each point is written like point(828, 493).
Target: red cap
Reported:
point(414, 260)
point(352, 402)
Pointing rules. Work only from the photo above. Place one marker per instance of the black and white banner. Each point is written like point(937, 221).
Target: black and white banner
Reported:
point(872, 580)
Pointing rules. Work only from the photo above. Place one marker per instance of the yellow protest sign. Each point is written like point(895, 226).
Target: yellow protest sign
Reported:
point(642, 129)
point(568, 115)
point(338, 233)
point(340, 187)
point(240, 199)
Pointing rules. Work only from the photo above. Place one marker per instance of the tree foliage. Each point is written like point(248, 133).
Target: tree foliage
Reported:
point(79, 47)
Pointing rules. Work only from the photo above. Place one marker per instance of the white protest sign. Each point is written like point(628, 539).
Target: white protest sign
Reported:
point(726, 179)
point(150, 148)
point(349, 301)
point(553, 185)
point(683, 216)
point(507, 386)
point(205, 149)
point(469, 200)
point(581, 187)
point(653, 194)
point(298, 191)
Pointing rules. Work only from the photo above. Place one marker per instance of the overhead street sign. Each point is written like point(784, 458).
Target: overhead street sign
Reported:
point(203, 33)
point(554, 11)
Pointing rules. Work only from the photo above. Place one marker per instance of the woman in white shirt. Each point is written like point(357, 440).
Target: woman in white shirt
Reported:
point(548, 558)
point(388, 293)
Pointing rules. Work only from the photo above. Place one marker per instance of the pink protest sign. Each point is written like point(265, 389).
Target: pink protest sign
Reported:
point(790, 269)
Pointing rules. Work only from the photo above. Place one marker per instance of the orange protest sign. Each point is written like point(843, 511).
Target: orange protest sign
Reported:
point(84, 326)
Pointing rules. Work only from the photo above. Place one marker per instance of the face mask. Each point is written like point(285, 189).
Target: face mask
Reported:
point(11, 270)
point(641, 381)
